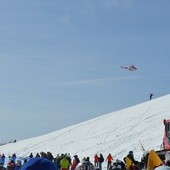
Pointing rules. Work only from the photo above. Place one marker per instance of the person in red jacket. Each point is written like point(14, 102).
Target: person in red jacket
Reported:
point(109, 160)
point(75, 162)
point(96, 160)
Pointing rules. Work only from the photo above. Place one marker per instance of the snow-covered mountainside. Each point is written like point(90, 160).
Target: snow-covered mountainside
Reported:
point(115, 133)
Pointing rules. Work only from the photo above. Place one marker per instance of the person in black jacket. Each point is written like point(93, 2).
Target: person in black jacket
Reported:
point(101, 160)
point(151, 96)
point(131, 157)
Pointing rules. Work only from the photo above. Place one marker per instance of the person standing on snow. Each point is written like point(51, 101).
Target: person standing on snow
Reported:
point(2, 159)
point(75, 162)
point(14, 157)
point(118, 165)
point(131, 157)
point(151, 96)
point(85, 164)
point(109, 160)
point(96, 160)
point(65, 164)
point(18, 165)
point(130, 161)
point(101, 160)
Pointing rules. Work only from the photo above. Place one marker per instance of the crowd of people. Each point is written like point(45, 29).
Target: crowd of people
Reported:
point(66, 162)
point(61, 161)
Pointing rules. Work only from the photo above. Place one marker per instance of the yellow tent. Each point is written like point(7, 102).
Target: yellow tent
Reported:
point(153, 160)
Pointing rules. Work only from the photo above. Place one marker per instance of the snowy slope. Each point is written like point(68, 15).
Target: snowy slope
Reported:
point(114, 133)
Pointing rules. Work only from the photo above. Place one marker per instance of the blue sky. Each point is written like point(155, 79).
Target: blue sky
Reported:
point(60, 60)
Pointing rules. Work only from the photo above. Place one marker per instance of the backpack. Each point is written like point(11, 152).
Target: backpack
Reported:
point(101, 159)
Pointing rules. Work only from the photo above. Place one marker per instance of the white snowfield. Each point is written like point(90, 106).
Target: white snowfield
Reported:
point(116, 133)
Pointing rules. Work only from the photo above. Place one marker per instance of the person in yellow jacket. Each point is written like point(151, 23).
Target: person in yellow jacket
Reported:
point(130, 162)
point(65, 163)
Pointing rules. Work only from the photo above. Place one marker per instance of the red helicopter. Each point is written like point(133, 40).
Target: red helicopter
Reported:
point(130, 68)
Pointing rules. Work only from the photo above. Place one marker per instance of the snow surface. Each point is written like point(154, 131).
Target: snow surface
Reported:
point(116, 133)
